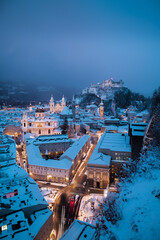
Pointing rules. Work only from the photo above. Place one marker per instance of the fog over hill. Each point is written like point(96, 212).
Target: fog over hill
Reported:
point(16, 93)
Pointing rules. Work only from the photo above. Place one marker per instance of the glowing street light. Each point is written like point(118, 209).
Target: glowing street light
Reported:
point(106, 192)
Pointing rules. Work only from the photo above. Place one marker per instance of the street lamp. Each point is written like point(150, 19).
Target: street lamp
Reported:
point(106, 192)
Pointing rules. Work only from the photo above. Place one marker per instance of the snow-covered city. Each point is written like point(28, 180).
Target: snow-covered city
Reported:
point(79, 151)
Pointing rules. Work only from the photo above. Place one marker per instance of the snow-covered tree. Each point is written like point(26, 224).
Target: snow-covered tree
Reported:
point(134, 213)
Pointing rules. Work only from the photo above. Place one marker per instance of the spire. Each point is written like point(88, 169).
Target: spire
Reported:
point(101, 104)
point(63, 102)
point(51, 100)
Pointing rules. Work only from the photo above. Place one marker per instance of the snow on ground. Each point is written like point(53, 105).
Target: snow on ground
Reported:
point(141, 210)
point(59, 184)
point(89, 208)
point(139, 203)
point(49, 194)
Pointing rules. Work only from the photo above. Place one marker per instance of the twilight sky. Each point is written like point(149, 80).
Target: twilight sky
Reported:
point(75, 43)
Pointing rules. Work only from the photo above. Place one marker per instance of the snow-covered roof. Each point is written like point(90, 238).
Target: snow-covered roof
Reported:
point(29, 135)
point(75, 148)
point(43, 139)
point(115, 142)
point(123, 129)
point(100, 159)
point(79, 231)
point(110, 141)
point(111, 128)
point(138, 129)
point(92, 106)
point(20, 198)
point(35, 158)
point(66, 111)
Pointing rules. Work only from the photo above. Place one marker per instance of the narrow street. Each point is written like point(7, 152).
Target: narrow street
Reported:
point(67, 194)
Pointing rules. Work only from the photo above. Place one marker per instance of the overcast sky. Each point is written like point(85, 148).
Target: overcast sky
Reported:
point(75, 43)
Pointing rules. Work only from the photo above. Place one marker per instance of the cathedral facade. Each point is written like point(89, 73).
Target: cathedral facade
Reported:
point(58, 107)
point(40, 124)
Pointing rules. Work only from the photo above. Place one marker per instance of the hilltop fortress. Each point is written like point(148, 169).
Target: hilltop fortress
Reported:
point(106, 89)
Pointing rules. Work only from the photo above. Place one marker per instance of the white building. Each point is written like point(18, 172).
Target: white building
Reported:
point(40, 124)
point(76, 152)
point(24, 213)
point(111, 146)
point(47, 169)
point(59, 170)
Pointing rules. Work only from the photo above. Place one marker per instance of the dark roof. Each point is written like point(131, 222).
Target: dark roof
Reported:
point(40, 110)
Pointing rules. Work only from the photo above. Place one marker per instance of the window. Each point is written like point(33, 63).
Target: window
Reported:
point(49, 131)
point(24, 124)
point(49, 124)
point(30, 124)
point(91, 175)
point(39, 131)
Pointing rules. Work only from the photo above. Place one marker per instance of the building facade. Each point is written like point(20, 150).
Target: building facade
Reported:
point(56, 107)
point(58, 169)
point(40, 124)
point(111, 146)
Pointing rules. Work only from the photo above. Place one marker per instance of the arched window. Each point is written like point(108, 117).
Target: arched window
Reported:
point(24, 124)
point(49, 131)
point(39, 131)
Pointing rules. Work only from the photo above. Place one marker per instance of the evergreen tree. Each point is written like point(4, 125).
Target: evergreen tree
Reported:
point(155, 115)
point(65, 126)
point(155, 101)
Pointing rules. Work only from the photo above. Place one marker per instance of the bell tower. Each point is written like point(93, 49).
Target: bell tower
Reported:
point(63, 104)
point(101, 109)
point(24, 122)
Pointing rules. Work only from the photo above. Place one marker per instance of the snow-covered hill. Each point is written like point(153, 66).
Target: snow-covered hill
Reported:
point(104, 90)
point(137, 208)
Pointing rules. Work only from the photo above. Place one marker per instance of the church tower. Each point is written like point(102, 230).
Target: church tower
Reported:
point(63, 103)
point(73, 107)
point(101, 109)
point(51, 105)
point(24, 122)
point(30, 108)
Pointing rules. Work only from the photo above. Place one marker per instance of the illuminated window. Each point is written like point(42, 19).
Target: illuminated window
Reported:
point(4, 227)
